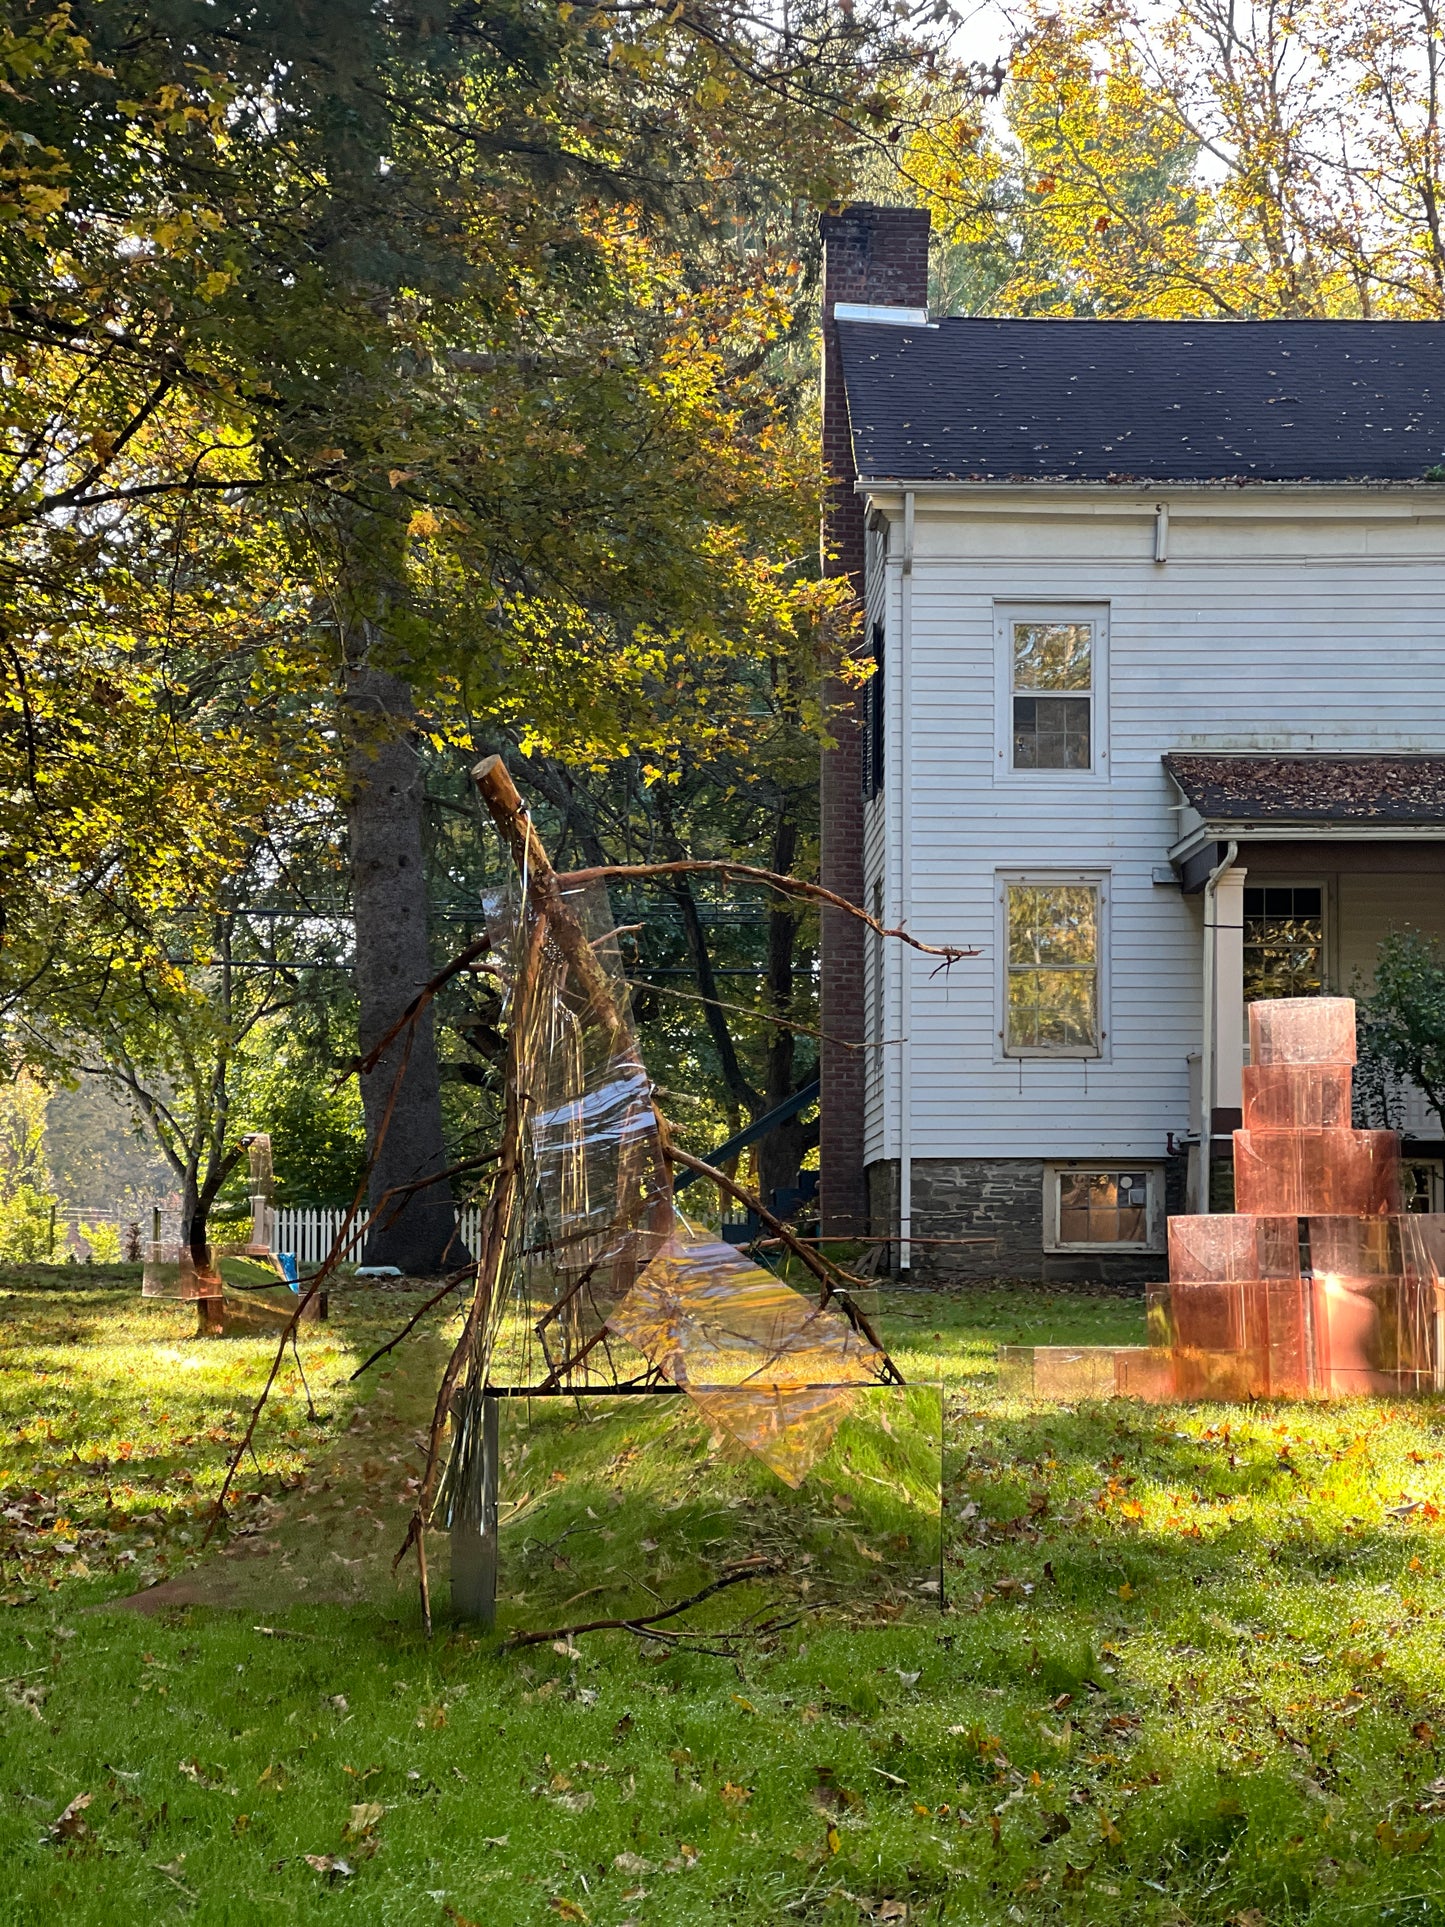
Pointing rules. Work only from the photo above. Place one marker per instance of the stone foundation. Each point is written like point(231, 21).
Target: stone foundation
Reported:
point(1001, 1200)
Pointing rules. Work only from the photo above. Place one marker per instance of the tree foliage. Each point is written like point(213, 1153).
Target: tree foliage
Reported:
point(1212, 159)
point(1402, 1022)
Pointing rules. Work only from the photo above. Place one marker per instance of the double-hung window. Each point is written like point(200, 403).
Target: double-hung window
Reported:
point(1052, 685)
point(1053, 948)
point(1284, 940)
point(1053, 695)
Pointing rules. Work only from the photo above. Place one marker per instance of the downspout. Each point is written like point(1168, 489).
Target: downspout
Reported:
point(905, 891)
point(1207, 1051)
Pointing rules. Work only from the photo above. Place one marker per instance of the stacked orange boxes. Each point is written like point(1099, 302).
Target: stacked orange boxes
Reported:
point(1319, 1282)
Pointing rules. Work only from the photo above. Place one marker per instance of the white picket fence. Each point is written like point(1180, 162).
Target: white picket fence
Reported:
point(311, 1233)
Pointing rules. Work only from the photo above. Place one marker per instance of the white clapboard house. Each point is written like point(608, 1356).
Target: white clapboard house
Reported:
point(1158, 725)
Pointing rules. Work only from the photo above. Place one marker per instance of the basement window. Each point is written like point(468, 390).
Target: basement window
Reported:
point(1095, 1207)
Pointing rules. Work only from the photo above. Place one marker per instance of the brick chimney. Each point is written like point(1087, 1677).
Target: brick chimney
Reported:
point(877, 256)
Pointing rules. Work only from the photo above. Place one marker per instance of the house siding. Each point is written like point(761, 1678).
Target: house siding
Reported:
point(1317, 628)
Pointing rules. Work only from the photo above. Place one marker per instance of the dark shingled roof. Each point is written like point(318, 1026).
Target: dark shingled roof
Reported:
point(1123, 401)
point(1312, 789)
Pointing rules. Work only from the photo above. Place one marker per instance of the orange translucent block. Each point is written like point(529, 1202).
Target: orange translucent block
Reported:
point(1072, 1372)
point(1233, 1246)
point(1297, 1097)
point(1377, 1302)
point(1305, 1173)
point(171, 1271)
point(1145, 1373)
point(1235, 1338)
point(1302, 1030)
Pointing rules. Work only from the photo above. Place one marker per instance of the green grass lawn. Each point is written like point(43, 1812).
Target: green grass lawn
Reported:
point(1190, 1667)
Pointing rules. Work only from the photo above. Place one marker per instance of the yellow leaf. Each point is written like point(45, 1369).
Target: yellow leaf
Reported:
point(568, 1909)
point(364, 1816)
point(834, 1840)
point(1126, 1591)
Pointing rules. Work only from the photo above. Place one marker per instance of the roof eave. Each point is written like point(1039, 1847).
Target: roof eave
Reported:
point(1300, 830)
point(1144, 485)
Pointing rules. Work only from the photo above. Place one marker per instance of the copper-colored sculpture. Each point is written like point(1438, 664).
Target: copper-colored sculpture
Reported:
point(1318, 1282)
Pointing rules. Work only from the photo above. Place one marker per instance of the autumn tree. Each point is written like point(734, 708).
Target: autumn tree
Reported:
point(1211, 160)
point(468, 311)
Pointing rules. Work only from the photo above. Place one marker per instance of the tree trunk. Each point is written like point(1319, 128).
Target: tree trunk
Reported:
point(416, 1233)
point(781, 1151)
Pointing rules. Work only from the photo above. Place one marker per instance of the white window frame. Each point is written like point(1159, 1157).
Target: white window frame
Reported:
point(1155, 1234)
point(1005, 615)
point(1097, 880)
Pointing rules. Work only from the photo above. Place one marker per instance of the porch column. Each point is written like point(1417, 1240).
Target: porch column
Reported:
point(1216, 1073)
point(1228, 1016)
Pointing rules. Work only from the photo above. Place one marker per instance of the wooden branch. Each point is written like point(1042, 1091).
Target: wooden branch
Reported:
point(411, 1324)
point(495, 1225)
point(544, 888)
point(787, 886)
point(761, 1570)
point(509, 813)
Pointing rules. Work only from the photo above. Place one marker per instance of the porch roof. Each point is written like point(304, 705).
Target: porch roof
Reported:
point(1319, 788)
point(1320, 796)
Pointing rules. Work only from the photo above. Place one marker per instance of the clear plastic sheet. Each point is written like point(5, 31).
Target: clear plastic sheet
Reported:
point(705, 1315)
point(1297, 1097)
point(1302, 1030)
point(595, 1200)
point(602, 1285)
point(171, 1271)
point(756, 1357)
point(1305, 1173)
point(789, 1431)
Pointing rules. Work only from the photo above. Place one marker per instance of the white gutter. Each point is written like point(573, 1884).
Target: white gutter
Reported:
point(1207, 1045)
point(905, 892)
point(1382, 831)
point(1143, 491)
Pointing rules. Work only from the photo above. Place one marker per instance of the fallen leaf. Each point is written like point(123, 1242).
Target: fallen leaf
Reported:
point(364, 1816)
point(568, 1909)
point(70, 1826)
point(332, 1865)
point(632, 1863)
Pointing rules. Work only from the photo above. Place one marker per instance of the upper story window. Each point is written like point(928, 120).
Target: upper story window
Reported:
point(1284, 940)
point(1051, 1000)
point(1052, 685)
point(1053, 695)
